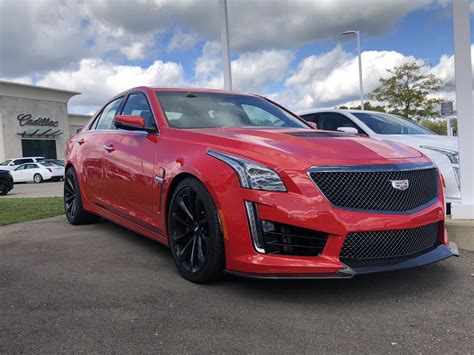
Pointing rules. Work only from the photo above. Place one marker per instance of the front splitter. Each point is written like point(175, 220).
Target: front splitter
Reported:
point(440, 253)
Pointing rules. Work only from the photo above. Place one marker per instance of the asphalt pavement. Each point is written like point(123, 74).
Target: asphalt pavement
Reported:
point(30, 189)
point(102, 288)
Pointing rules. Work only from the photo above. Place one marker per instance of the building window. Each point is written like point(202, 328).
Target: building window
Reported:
point(39, 148)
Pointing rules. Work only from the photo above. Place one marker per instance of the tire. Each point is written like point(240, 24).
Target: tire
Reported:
point(73, 208)
point(37, 178)
point(3, 187)
point(194, 233)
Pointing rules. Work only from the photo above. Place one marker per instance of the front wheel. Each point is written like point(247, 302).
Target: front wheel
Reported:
point(75, 213)
point(194, 232)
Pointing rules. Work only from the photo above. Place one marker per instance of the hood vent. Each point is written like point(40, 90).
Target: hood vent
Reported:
point(312, 134)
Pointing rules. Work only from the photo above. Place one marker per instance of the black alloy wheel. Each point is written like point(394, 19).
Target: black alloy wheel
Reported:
point(194, 232)
point(75, 213)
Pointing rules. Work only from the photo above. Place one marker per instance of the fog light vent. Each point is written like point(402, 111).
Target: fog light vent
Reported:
point(277, 238)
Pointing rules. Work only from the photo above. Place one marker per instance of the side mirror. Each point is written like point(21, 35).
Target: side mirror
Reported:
point(131, 123)
point(348, 130)
point(312, 124)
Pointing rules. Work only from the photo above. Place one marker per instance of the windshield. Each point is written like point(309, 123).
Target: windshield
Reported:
point(46, 163)
point(6, 162)
point(206, 110)
point(390, 124)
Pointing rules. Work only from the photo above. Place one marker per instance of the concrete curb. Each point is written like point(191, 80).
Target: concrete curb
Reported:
point(461, 231)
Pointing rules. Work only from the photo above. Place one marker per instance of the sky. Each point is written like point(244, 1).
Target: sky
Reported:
point(291, 51)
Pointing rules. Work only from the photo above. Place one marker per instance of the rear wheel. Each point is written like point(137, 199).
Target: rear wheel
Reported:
point(75, 213)
point(194, 232)
point(38, 178)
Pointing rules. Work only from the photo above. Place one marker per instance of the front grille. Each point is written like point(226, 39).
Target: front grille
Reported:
point(390, 246)
point(284, 239)
point(373, 190)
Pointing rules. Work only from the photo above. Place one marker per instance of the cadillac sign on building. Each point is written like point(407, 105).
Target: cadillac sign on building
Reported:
point(26, 120)
point(42, 126)
point(34, 121)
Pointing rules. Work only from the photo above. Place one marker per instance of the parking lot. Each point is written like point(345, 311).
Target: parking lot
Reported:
point(45, 189)
point(103, 288)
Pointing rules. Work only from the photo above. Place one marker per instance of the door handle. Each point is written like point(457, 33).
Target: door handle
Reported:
point(80, 141)
point(109, 148)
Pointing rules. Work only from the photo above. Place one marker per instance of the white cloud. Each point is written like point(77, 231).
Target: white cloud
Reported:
point(251, 71)
point(445, 68)
point(333, 77)
point(56, 35)
point(182, 41)
point(134, 51)
point(98, 80)
point(208, 67)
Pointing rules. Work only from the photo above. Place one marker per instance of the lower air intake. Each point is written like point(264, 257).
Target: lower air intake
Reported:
point(390, 246)
point(284, 239)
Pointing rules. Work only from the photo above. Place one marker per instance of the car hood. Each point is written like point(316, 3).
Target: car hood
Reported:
point(417, 140)
point(282, 147)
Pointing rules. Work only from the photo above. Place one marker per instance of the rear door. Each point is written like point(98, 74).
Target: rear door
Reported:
point(90, 152)
point(129, 167)
point(29, 171)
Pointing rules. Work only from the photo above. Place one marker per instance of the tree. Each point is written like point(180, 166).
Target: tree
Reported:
point(407, 92)
point(367, 106)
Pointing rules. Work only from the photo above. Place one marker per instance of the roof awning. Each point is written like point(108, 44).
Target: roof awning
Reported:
point(41, 133)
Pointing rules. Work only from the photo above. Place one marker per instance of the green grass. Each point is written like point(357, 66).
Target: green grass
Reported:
point(14, 210)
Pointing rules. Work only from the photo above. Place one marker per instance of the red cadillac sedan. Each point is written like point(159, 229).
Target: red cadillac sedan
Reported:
point(236, 183)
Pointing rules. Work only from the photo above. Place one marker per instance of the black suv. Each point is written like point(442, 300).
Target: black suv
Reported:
point(6, 182)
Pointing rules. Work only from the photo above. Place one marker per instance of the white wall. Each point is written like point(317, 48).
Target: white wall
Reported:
point(10, 107)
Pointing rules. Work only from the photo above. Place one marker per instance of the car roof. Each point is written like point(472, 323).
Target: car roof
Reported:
point(30, 162)
point(339, 110)
point(186, 89)
point(25, 158)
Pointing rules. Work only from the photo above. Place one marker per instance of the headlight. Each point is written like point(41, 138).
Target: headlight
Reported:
point(451, 154)
point(252, 175)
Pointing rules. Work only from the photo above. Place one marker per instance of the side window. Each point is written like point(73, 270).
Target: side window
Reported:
point(331, 121)
point(21, 161)
point(21, 167)
point(137, 105)
point(93, 124)
point(106, 119)
point(312, 117)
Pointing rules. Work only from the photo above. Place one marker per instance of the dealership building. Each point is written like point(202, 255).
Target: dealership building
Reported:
point(34, 121)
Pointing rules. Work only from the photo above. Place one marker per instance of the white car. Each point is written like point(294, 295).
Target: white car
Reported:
point(13, 163)
point(56, 169)
point(442, 150)
point(37, 172)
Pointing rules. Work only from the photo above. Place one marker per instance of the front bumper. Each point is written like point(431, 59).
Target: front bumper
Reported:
point(310, 210)
point(440, 253)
